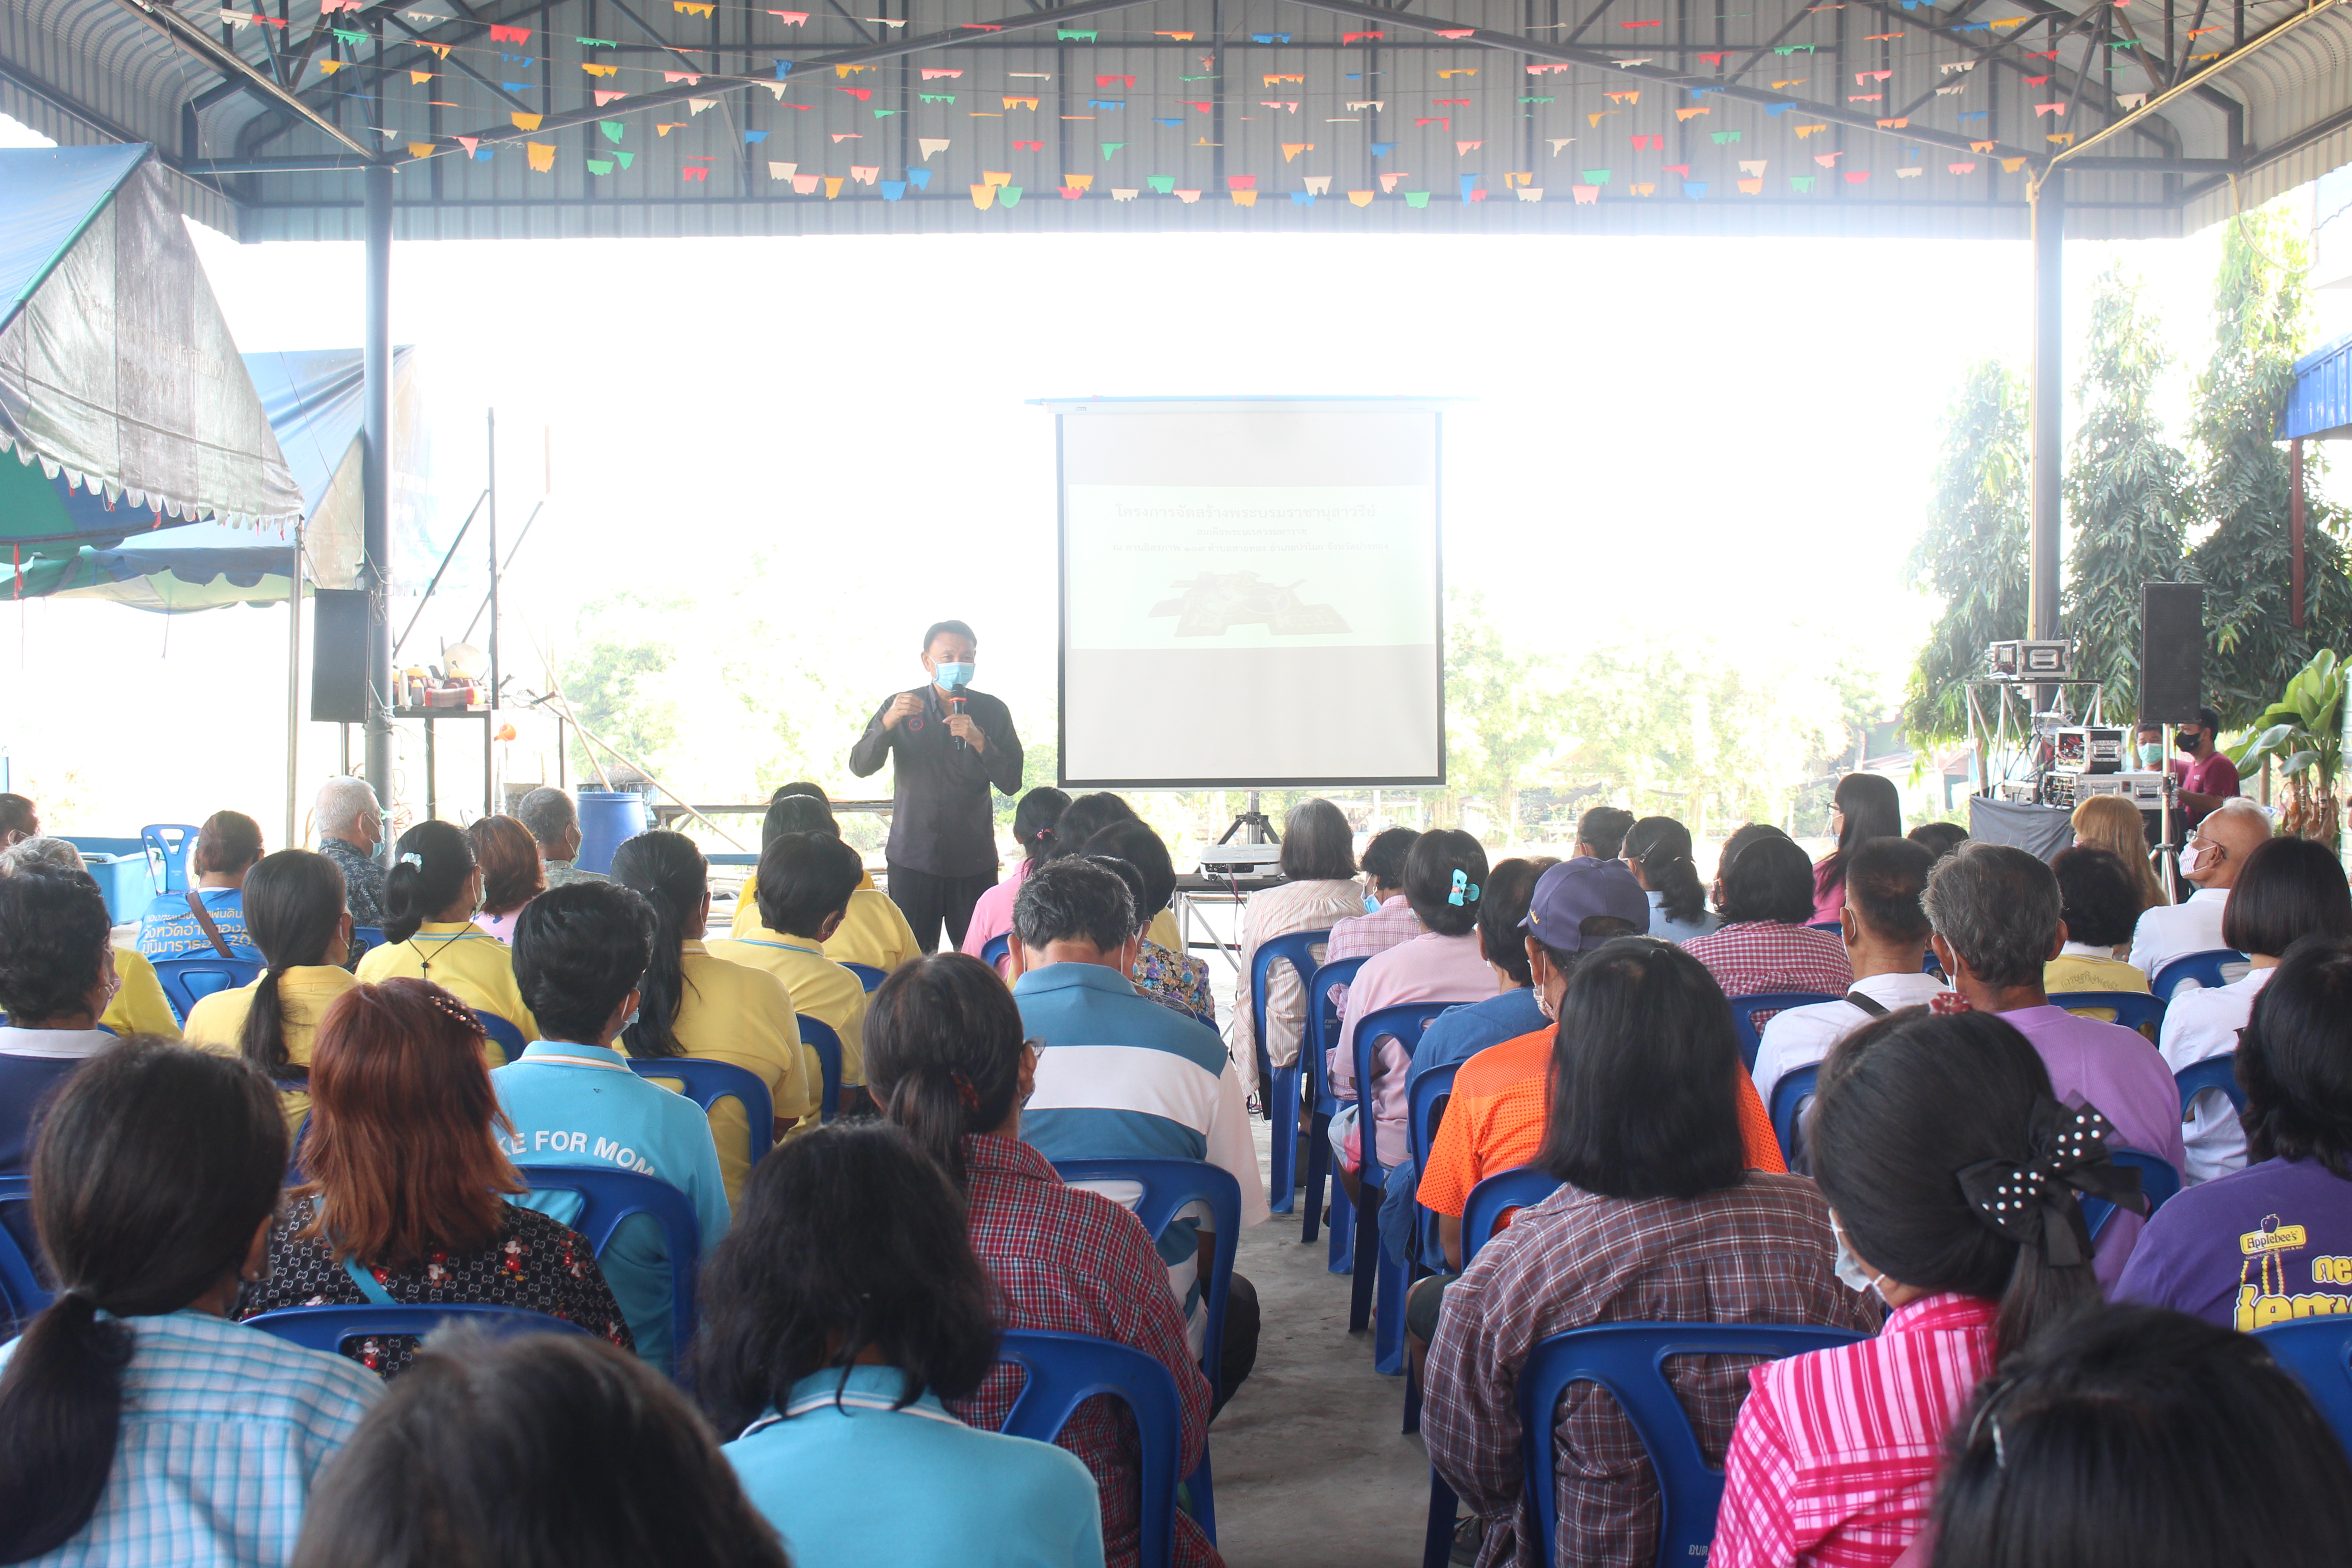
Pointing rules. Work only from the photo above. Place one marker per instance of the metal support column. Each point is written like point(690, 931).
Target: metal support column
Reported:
point(376, 486)
point(2049, 392)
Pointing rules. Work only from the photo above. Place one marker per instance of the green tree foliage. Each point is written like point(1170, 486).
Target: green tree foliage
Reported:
point(2127, 494)
point(1972, 553)
point(2303, 731)
point(617, 679)
point(1502, 708)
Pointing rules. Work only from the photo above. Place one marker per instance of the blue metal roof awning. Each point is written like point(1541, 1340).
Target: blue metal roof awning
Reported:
point(2320, 407)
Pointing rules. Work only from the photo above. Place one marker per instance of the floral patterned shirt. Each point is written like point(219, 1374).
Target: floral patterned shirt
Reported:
point(1175, 980)
point(534, 1263)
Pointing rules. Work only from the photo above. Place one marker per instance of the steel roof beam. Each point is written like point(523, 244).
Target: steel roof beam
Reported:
point(189, 39)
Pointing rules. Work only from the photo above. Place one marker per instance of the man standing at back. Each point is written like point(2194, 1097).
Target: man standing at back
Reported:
point(947, 745)
point(2217, 853)
point(2211, 781)
point(554, 822)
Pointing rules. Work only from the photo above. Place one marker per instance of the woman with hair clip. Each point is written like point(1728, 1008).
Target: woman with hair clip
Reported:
point(873, 932)
point(403, 1202)
point(210, 916)
point(841, 1313)
point(137, 1426)
point(512, 872)
point(691, 1004)
point(1032, 828)
point(294, 908)
point(946, 1060)
point(1317, 889)
point(1953, 1178)
point(1658, 852)
point(430, 894)
point(1866, 806)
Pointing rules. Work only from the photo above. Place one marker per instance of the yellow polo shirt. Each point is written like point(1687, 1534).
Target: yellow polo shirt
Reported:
point(464, 959)
point(1163, 932)
point(217, 1023)
point(140, 1007)
point(873, 932)
point(742, 1016)
point(819, 988)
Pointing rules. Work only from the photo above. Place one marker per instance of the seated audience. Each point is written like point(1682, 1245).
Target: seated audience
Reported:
point(1885, 935)
point(19, 819)
point(1764, 894)
point(138, 1425)
point(1866, 806)
point(552, 818)
point(351, 833)
point(295, 909)
point(1659, 1218)
point(1170, 977)
point(841, 1312)
point(1089, 815)
point(1601, 833)
point(1032, 828)
point(1658, 852)
point(1387, 917)
point(2215, 856)
point(140, 1006)
point(1940, 837)
point(512, 872)
point(2100, 903)
point(693, 1003)
point(2131, 1438)
point(807, 882)
point(949, 1065)
point(1922, 1122)
point(56, 977)
point(1118, 1075)
point(875, 932)
point(2289, 889)
point(209, 918)
point(2265, 1244)
point(571, 1100)
point(1995, 910)
point(2114, 824)
point(540, 1451)
point(405, 1197)
point(430, 895)
point(1318, 890)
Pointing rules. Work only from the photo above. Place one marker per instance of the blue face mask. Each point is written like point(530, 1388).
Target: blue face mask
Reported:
point(949, 676)
point(1371, 905)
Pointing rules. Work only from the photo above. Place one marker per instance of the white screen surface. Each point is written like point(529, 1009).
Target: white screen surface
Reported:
point(1250, 593)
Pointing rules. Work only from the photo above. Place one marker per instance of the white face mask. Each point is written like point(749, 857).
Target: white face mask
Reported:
point(1848, 1268)
point(1543, 1005)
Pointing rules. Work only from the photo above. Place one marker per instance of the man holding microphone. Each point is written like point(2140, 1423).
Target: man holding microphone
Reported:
point(948, 745)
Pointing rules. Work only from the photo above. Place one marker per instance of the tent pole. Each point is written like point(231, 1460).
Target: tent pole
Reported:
point(293, 688)
point(376, 509)
point(2049, 193)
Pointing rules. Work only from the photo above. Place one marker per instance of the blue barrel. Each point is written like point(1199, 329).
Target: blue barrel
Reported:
point(608, 818)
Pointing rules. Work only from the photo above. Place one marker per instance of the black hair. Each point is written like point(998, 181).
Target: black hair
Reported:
point(54, 936)
point(1884, 880)
point(1644, 1097)
point(154, 1167)
point(1034, 822)
point(2138, 1438)
point(1940, 837)
point(1765, 878)
point(2294, 1058)
point(1136, 843)
point(1603, 830)
point(1088, 815)
point(808, 787)
point(2210, 722)
point(804, 878)
point(1317, 845)
point(1903, 1103)
point(293, 912)
point(1873, 809)
point(943, 1040)
point(954, 629)
point(2098, 896)
point(1661, 847)
point(1125, 872)
point(415, 889)
point(228, 841)
point(1072, 899)
point(579, 950)
point(1445, 904)
point(1384, 856)
point(538, 1451)
point(17, 814)
point(670, 874)
point(1502, 905)
point(796, 813)
point(2289, 887)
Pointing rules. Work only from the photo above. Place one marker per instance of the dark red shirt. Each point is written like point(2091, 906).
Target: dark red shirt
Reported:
point(2214, 774)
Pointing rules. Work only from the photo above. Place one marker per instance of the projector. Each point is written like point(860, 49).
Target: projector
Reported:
point(1240, 859)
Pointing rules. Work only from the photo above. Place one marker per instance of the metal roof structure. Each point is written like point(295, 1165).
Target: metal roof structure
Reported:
point(660, 118)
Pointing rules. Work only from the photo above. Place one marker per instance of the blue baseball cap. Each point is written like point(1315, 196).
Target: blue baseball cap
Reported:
point(1573, 891)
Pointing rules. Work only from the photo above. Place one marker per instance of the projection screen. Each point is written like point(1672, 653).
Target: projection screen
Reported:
point(1250, 593)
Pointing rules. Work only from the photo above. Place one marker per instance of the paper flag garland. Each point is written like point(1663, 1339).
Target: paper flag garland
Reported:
point(600, 166)
point(500, 34)
point(1360, 198)
point(983, 196)
point(1752, 165)
point(1725, 138)
point(1124, 82)
point(997, 176)
point(806, 185)
point(1187, 197)
point(1593, 118)
point(791, 18)
point(1290, 150)
point(893, 190)
point(1559, 142)
point(1164, 183)
point(1346, 38)
point(782, 171)
point(1111, 147)
point(1695, 188)
point(1302, 198)
point(1801, 132)
point(1856, 176)
point(1966, 168)
point(697, 105)
point(1596, 176)
point(1318, 184)
point(1245, 198)
point(1118, 194)
point(1829, 160)
point(919, 178)
point(930, 144)
point(525, 121)
point(1008, 195)
point(1241, 182)
point(1802, 184)
point(1530, 192)
point(1382, 149)
point(1750, 187)
point(1389, 182)
point(604, 98)
point(1463, 149)
point(420, 148)
point(865, 174)
point(933, 73)
point(1684, 114)
point(694, 173)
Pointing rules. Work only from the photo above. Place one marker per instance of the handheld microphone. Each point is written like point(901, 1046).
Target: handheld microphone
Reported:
point(955, 706)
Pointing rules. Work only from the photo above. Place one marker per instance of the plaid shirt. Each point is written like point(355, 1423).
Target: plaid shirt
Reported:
point(224, 1430)
point(1756, 957)
point(1756, 1253)
point(1074, 1262)
point(362, 881)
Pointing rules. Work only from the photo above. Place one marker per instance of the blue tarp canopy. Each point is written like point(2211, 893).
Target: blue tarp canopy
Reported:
point(2321, 404)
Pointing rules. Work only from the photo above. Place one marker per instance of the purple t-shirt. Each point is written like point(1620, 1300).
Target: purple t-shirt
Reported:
point(2262, 1246)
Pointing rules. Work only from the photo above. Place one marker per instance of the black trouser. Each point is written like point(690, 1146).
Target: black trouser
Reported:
point(1237, 1353)
point(928, 901)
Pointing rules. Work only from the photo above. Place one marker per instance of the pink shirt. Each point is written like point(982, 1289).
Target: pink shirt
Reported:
point(502, 926)
point(1829, 896)
point(1429, 968)
point(1280, 912)
point(992, 915)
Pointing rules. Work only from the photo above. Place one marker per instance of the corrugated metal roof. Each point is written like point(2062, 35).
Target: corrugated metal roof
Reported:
point(1631, 118)
point(2321, 403)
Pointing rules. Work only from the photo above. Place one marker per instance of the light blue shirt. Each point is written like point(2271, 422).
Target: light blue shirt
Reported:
point(852, 1482)
point(224, 1430)
point(167, 929)
point(581, 1105)
point(1667, 928)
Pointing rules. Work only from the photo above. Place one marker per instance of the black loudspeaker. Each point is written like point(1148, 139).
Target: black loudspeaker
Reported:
point(338, 628)
point(2172, 652)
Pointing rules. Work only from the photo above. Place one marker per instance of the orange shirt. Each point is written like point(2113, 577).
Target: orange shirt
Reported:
point(1495, 1120)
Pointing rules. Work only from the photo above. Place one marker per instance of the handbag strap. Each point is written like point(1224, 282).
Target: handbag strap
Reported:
point(1869, 1004)
point(369, 1285)
point(204, 919)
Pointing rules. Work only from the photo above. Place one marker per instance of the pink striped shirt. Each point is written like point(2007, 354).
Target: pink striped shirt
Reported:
point(1834, 1460)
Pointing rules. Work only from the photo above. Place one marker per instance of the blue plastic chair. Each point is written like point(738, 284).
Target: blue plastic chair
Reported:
point(2158, 1179)
point(2214, 1072)
point(1064, 1371)
point(1791, 1096)
point(2318, 1352)
point(607, 1197)
point(22, 1294)
point(174, 842)
point(329, 1328)
point(503, 1035)
point(2205, 968)
point(1745, 1008)
point(364, 940)
point(1482, 1211)
point(868, 975)
point(708, 1083)
point(1379, 1272)
point(818, 1035)
point(1825, 925)
point(2133, 1009)
point(1426, 1095)
point(1322, 1033)
point(192, 976)
point(996, 949)
point(1279, 1087)
point(1629, 1359)
point(1169, 1187)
